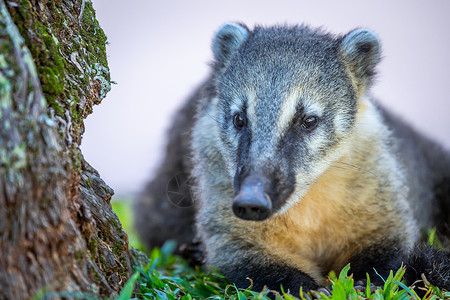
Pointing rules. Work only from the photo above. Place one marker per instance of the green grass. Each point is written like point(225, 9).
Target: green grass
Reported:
point(124, 210)
point(169, 277)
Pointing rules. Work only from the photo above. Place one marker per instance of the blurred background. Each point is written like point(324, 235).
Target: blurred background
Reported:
point(159, 52)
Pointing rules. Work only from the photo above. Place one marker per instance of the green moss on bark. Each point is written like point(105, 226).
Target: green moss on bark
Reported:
point(70, 54)
point(94, 36)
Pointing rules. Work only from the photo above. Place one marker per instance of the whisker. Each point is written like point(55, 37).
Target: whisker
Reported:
point(207, 113)
point(354, 167)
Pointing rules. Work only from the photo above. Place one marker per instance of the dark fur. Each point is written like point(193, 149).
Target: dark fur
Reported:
point(431, 263)
point(271, 276)
point(432, 179)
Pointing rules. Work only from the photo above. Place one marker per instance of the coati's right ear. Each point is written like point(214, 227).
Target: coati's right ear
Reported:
point(361, 50)
point(228, 39)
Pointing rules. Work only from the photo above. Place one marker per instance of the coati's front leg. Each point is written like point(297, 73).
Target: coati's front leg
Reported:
point(430, 263)
point(422, 262)
point(265, 272)
point(246, 264)
point(377, 261)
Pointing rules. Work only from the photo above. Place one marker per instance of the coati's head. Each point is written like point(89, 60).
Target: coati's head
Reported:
point(288, 99)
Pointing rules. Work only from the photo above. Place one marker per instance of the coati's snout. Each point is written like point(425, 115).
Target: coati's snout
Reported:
point(258, 195)
point(252, 202)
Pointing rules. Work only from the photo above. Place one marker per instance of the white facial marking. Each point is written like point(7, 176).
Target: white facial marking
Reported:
point(251, 102)
point(290, 107)
point(312, 107)
point(287, 112)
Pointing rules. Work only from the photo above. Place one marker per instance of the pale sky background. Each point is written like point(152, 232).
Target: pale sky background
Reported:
point(160, 50)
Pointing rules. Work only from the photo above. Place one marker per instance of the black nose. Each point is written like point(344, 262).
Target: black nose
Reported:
point(252, 203)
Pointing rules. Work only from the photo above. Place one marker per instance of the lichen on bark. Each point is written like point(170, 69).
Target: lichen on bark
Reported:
point(69, 50)
point(57, 229)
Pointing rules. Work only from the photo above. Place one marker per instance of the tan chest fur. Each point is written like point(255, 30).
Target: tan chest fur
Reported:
point(333, 221)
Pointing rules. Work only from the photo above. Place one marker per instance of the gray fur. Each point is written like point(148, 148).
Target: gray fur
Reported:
point(361, 48)
point(394, 181)
point(228, 38)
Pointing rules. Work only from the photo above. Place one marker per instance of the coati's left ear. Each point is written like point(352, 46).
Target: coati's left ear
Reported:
point(228, 39)
point(361, 50)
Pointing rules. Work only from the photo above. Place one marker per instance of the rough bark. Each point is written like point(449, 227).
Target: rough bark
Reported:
point(58, 233)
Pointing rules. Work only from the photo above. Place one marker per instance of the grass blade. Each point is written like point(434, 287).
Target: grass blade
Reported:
point(127, 290)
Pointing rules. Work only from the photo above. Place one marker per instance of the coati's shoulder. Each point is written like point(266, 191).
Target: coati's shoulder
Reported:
point(407, 138)
point(426, 166)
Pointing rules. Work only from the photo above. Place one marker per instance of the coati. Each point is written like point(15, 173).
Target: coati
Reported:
point(295, 170)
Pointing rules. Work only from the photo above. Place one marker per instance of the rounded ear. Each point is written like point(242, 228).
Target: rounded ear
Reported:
point(228, 39)
point(361, 50)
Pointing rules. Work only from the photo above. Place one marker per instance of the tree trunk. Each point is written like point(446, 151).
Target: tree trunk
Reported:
point(58, 233)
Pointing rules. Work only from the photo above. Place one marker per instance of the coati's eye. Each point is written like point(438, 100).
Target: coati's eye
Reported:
point(238, 121)
point(309, 122)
